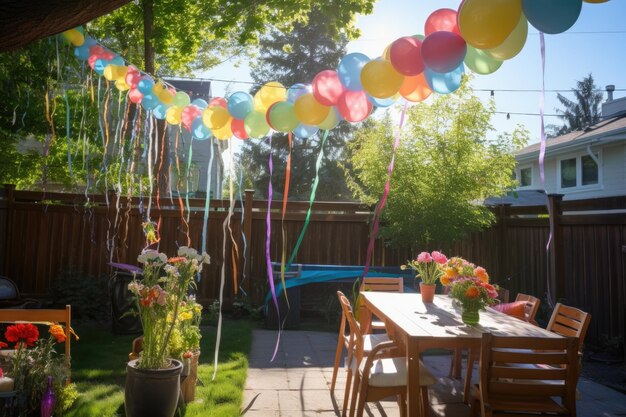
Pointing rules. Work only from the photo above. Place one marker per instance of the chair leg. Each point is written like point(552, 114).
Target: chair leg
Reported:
point(402, 404)
point(425, 404)
point(346, 395)
point(474, 407)
point(468, 376)
point(455, 366)
point(356, 387)
point(336, 365)
point(362, 396)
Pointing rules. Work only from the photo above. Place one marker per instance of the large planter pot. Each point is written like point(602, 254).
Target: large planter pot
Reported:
point(188, 382)
point(152, 392)
point(428, 292)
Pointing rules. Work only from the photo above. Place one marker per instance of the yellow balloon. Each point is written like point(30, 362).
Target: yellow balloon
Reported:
point(115, 72)
point(174, 115)
point(223, 133)
point(380, 79)
point(121, 85)
point(387, 53)
point(216, 117)
point(258, 104)
point(513, 44)
point(485, 24)
point(271, 93)
point(74, 37)
point(332, 120)
point(309, 111)
point(166, 96)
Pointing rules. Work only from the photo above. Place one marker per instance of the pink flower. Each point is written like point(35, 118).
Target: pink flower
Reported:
point(424, 257)
point(439, 257)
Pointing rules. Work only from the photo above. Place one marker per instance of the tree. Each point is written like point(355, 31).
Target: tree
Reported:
point(290, 58)
point(444, 168)
point(584, 111)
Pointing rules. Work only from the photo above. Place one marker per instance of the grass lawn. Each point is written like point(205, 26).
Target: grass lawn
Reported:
point(99, 369)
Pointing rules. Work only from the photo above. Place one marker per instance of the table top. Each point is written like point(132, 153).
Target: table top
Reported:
point(442, 320)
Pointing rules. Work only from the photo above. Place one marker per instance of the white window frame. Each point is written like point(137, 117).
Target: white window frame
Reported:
point(518, 173)
point(579, 173)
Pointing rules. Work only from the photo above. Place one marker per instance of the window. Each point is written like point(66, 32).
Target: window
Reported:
point(581, 171)
point(526, 177)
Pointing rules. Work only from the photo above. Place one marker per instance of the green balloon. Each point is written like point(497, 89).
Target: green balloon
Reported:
point(480, 61)
point(181, 99)
point(255, 124)
point(282, 117)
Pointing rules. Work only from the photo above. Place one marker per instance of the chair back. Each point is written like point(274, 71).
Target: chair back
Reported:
point(528, 371)
point(570, 321)
point(531, 308)
point(355, 344)
point(379, 284)
point(503, 295)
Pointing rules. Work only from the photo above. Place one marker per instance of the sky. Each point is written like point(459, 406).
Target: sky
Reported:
point(595, 44)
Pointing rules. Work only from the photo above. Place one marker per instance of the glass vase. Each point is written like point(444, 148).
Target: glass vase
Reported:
point(470, 316)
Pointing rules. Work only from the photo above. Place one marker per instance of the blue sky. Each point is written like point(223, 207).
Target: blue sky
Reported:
point(590, 46)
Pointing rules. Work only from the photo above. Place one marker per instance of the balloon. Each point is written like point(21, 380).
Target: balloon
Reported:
point(296, 91)
point(445, 83)
point(240, 104)
point(145, 85)
point(160, 111)
point(215, 117)
point(383, 102)
point(133, 76)
point(237, 126)
point(74, 36)
point(199, 130)
point(332, 120)
point(327, 88)
point(174, 115)
point(258, 104)
point(218, 101)
point(82, 52)
point(282, 117)
point(406, 55)
point(223, 133)
point(271, 93)
point(485, 24)
point(189, 113)
point(443, 51)
point(166, 96)
point(255, 124)
point(513, 44)
point(181, 99)
point(115, 72)
point(100, 65)
point(415, 88)
point(121, 85)
point(444, 20)
point(349, 70)
point(354, 106)
point(481, 62)
point(554, 16)
point(309, 111)
point(380, 79)
point(135, 96)
point(303, 131)
point(149, 101)
point(199, 103)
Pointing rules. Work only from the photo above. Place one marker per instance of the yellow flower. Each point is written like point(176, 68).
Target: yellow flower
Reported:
point(451, 273)
point(445, 280)
point(186, 315)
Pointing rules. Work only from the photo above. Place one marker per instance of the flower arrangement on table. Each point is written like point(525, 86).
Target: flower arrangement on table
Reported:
point(469, 284)
point(428, 268)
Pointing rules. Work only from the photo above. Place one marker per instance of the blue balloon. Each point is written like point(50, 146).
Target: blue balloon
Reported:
point(199, 130)
point(381, 102)
point(349, 70)
point(199, 103)
point(553, 16)
point(444, 83)
point(117, 60)
point(160, 110)
point(240, 104)
point(296, 91)
point(100, 65)
point(303, 131)
point(149, 101)
point(145, 85)
point(82, 52)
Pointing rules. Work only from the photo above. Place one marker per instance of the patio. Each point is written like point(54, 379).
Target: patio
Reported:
point(297, 382)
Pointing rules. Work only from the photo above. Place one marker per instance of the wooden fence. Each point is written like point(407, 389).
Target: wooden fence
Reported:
point(40, 236)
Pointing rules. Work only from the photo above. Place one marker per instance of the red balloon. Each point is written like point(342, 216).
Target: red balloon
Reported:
point(443, 51)
point(132, 76)
point(354, 106)
point(238, 129)
point(327, 88)
point(406, 56)
point(135, 95)
point(219, 101)
point(189, 113)
point(442, 20)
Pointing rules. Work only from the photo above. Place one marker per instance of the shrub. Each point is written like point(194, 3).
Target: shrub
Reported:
point(88, 295)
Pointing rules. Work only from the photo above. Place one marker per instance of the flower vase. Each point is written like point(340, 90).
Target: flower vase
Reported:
point(428, 292)
point(470, 316)
point(48, 400)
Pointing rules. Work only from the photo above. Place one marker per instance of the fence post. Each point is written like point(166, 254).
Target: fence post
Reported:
point(503, 258)
point(247, 231)
point(9, 190)
point(556, 247)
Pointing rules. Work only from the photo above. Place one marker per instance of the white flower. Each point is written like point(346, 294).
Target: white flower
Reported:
point(150, 256)
point(171, 270)
point(135, 287)
point(187, 252)
point(205, 258)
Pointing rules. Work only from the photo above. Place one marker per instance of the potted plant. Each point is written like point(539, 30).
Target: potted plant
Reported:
point(469, 285)
point(429, 268)
point(153, 380)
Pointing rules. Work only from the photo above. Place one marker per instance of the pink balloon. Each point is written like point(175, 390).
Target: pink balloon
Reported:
point(327, 88)
point(132, 76)
point(189, 113)
point(238, 129)
point(135, 95)
point(442, 20)
point(406, 56)
point(219, 101)
point(443, 51)
point(354, 106)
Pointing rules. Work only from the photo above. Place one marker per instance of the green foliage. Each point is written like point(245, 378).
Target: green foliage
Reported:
point(583, 111)
point(444, 168)
point(88, 296)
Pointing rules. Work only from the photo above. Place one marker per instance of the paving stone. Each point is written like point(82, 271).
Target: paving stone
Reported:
point(260, 400)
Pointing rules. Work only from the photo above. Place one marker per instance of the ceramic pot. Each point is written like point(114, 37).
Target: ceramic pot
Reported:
point(188, 383)
point(428, 292)
point(152, 392)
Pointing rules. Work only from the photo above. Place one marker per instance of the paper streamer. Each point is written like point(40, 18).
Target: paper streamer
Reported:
point(318, 164)
point(207, 200)
point(235, 248)
point(67, 132)
point(243, 235)
point(282, 222)
point(383, 200)
point(187, 180)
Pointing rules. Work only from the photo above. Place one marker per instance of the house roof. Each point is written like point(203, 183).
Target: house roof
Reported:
point(604, 128)
point(519, 198)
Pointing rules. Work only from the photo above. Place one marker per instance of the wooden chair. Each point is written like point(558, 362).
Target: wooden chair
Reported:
point(377, 377)
point(379, 284)
point(503, 295)
point(343, 341)
point(532, 306)
point(516, 380)
point(570, 322)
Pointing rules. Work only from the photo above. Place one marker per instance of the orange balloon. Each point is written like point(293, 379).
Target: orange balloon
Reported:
point(415, 88)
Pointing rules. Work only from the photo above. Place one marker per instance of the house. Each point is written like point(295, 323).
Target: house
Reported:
point(588, 163)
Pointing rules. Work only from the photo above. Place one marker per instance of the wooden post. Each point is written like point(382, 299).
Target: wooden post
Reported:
point(9, 190)
point(557, 275)
point(247, 231)
point(503, 258)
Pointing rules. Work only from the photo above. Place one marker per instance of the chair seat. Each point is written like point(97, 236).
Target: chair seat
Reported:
point(527, 404)
point(378, 325)
point(392, 372)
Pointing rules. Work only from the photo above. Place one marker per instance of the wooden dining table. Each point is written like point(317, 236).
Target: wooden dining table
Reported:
point(416, 327)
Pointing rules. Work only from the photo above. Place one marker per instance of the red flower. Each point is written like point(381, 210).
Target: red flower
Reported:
point(22, 334)
point(3, 345)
